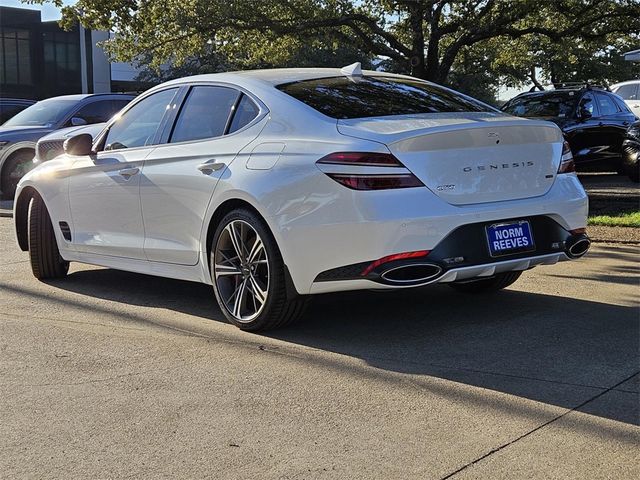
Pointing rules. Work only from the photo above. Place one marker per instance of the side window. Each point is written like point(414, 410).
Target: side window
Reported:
point(587, 104)
point(138, 125)
point(246, 111)
point(95, 112)
point(204, 114)
point(628, 92)
point(606, 105)
point(117, 105)
point(623, 107)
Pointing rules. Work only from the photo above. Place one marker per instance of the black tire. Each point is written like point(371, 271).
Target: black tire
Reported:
point(46, 261)
point(493, 284)
point(631, 161)
point(283, 305)
point(13, 170)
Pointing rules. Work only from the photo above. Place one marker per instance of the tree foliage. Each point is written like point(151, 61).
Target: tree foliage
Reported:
point(439, 40)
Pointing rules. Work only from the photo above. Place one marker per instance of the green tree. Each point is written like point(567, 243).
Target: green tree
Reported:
point(426, 38)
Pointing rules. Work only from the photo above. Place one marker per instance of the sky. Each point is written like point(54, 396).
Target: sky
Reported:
point(50, 12)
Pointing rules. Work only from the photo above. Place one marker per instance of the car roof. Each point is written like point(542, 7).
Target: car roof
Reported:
point(83, 96)
point(570, 92)
point(275, 76)
point(626, 82)
point(16, 100)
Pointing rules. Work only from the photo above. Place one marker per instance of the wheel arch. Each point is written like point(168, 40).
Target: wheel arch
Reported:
point(21, 214)
point(223, 209)
point(14, 150)
point(219, 213)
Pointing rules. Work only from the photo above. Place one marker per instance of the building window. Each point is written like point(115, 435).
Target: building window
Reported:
point(62, 60)
point(15, 61)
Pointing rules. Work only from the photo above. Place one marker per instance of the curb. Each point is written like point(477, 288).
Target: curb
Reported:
point(614, 242)
point(6, 214)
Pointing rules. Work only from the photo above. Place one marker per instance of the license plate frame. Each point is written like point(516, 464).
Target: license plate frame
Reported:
point(522, 246)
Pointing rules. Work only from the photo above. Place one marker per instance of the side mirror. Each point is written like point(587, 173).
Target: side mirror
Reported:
point(78, 145)
point(78, 121)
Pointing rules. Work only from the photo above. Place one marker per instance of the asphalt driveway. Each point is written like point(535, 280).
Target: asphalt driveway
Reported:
point(110, 374)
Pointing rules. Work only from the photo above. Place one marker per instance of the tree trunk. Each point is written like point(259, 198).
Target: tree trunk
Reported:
point(416, 15)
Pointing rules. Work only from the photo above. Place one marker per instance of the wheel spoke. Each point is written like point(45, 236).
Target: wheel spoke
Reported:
point(230, 260)
point(235, 240)
point(227, 270)
point(256, 250)
point(237, 305)
point(258, 293)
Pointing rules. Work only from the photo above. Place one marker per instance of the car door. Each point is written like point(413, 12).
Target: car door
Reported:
point(213, 124)
point(613, 124)
point(584, 135)
point(104, 188)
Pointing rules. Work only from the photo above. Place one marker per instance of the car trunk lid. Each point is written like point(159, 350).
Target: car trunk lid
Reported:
point(467, 158)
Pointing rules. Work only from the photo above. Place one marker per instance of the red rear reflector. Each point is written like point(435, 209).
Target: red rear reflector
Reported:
point(364, 159)
point(392, 258)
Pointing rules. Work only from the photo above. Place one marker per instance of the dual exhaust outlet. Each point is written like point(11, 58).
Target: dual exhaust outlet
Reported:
point(421, 272)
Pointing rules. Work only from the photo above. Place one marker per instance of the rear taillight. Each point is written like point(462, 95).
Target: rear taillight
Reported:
point(567, 164)
point(360, 179)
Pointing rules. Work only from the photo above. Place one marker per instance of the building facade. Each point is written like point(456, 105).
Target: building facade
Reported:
point(40, 60)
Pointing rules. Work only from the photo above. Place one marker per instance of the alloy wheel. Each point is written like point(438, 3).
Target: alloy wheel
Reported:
point(241, 270)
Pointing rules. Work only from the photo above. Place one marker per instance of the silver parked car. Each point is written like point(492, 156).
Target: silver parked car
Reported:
point(18, 135)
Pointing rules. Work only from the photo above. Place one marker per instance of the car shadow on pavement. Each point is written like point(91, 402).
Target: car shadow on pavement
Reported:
point(550, 349)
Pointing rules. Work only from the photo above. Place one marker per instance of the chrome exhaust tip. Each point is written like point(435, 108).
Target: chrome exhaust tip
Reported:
point(578, 245)
point(414, 273)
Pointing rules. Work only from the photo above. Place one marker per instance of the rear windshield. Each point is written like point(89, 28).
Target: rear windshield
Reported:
point(371, 96)
point(548, 105)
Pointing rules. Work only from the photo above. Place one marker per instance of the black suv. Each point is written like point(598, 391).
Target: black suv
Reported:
point(19, 134)
point(594, 121)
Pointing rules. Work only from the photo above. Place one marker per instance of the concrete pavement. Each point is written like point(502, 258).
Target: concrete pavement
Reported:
point(109, 374)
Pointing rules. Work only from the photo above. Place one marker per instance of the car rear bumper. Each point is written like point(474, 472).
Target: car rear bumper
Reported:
point(352, 228)
point(455, 274)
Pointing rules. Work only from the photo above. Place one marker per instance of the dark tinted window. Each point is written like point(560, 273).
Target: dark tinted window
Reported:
point(561, 104)
point(370, 96)
point(606, 104)
point(204, 114)
point(628, 92)
point(8, 110)
point(118, 105)
point(587, 104)
point(99, 111)
point(138, 125)
point(245, 113)
point(45, 113)
point(623, 107)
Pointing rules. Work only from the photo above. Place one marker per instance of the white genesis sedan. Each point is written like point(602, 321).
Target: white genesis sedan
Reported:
point(274, 185)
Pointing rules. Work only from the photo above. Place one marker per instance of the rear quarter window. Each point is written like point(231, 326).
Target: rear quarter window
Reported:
point(372, 96)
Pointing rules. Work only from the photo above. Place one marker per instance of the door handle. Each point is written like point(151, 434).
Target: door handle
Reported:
point(129, 172)
point(210, 166)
